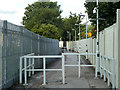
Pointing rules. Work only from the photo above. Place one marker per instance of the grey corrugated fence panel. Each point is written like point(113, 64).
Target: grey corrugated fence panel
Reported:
point(16, 41)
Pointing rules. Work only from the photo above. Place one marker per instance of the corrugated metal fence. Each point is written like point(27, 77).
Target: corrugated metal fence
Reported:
point(16, 41)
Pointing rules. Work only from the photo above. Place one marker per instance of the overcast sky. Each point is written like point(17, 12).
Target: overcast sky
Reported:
point(13, 10)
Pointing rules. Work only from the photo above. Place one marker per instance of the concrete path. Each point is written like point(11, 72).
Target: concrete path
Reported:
point(54, 79)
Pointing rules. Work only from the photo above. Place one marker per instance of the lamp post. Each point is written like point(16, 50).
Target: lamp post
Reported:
point(75, 33)
point(79, 25)
point(79, 29)
point(75, 40)
point(97, 42)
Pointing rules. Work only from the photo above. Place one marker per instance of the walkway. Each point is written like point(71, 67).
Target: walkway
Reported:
point(54, 79)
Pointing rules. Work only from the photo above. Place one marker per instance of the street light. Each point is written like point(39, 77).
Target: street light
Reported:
point(79, 29)
point(79, 24)
point(75, 40)
point(75, 33)
point(97, 42)
point(97, 47)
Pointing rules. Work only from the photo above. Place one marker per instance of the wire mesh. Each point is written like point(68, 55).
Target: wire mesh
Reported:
point(16, 41)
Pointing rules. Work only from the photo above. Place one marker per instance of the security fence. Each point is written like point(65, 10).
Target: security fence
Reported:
point(109, 46)
point(16, 41)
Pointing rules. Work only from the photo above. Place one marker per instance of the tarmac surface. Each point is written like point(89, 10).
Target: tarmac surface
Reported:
point(54, 79)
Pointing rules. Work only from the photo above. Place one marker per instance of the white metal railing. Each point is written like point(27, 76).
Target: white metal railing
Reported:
point(29, 60)
point(22, 68)
point(77, 65)
point(105, 67)
point(30, 67)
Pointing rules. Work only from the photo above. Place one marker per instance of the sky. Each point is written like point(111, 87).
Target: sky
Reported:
point(13, 10)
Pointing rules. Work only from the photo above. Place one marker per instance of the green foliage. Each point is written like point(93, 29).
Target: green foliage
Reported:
point(41, 13)
point(107, 10)
point(68, 25)
point(46, 30)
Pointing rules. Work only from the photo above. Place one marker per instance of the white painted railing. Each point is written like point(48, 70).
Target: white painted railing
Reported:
point(30, 67)
point(79, 61)
point(105, 64)
point(29, 60)
point(23, 68)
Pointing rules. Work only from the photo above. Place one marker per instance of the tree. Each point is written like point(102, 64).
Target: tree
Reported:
point(68, 25)
point(40, 13)
point(107, 10)
point(46, 30)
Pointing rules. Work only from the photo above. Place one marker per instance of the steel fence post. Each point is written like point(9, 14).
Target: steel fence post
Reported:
point(79, 64)
point(44, 71)
point(104, 69)
point(25, 70)
point(108, 74)
point(63, 70)
point(113, 74)
point(20, 73)
point(4, 53)
point(100, 65)
point(96, 69)
point(29, 66)
point(33, 66)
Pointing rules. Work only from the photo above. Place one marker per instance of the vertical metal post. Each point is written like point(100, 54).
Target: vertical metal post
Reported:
point(63, 70)
point(113, 74)
point(104, 70)
point(97, 43)
point(21, 53)
point(75, 40)
point(86, 42)
point(75, 35)
point(29, 67)
point(79, 31)
point(38, 45)
point(108, 74)
point(25, 70)
point(4, 53)
point(79, 65)
point(20, 73)
point(38, 50)
point(44, 71)
point(32, 65)
point(100, 65)
point(31, 43)
point(21, 41)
